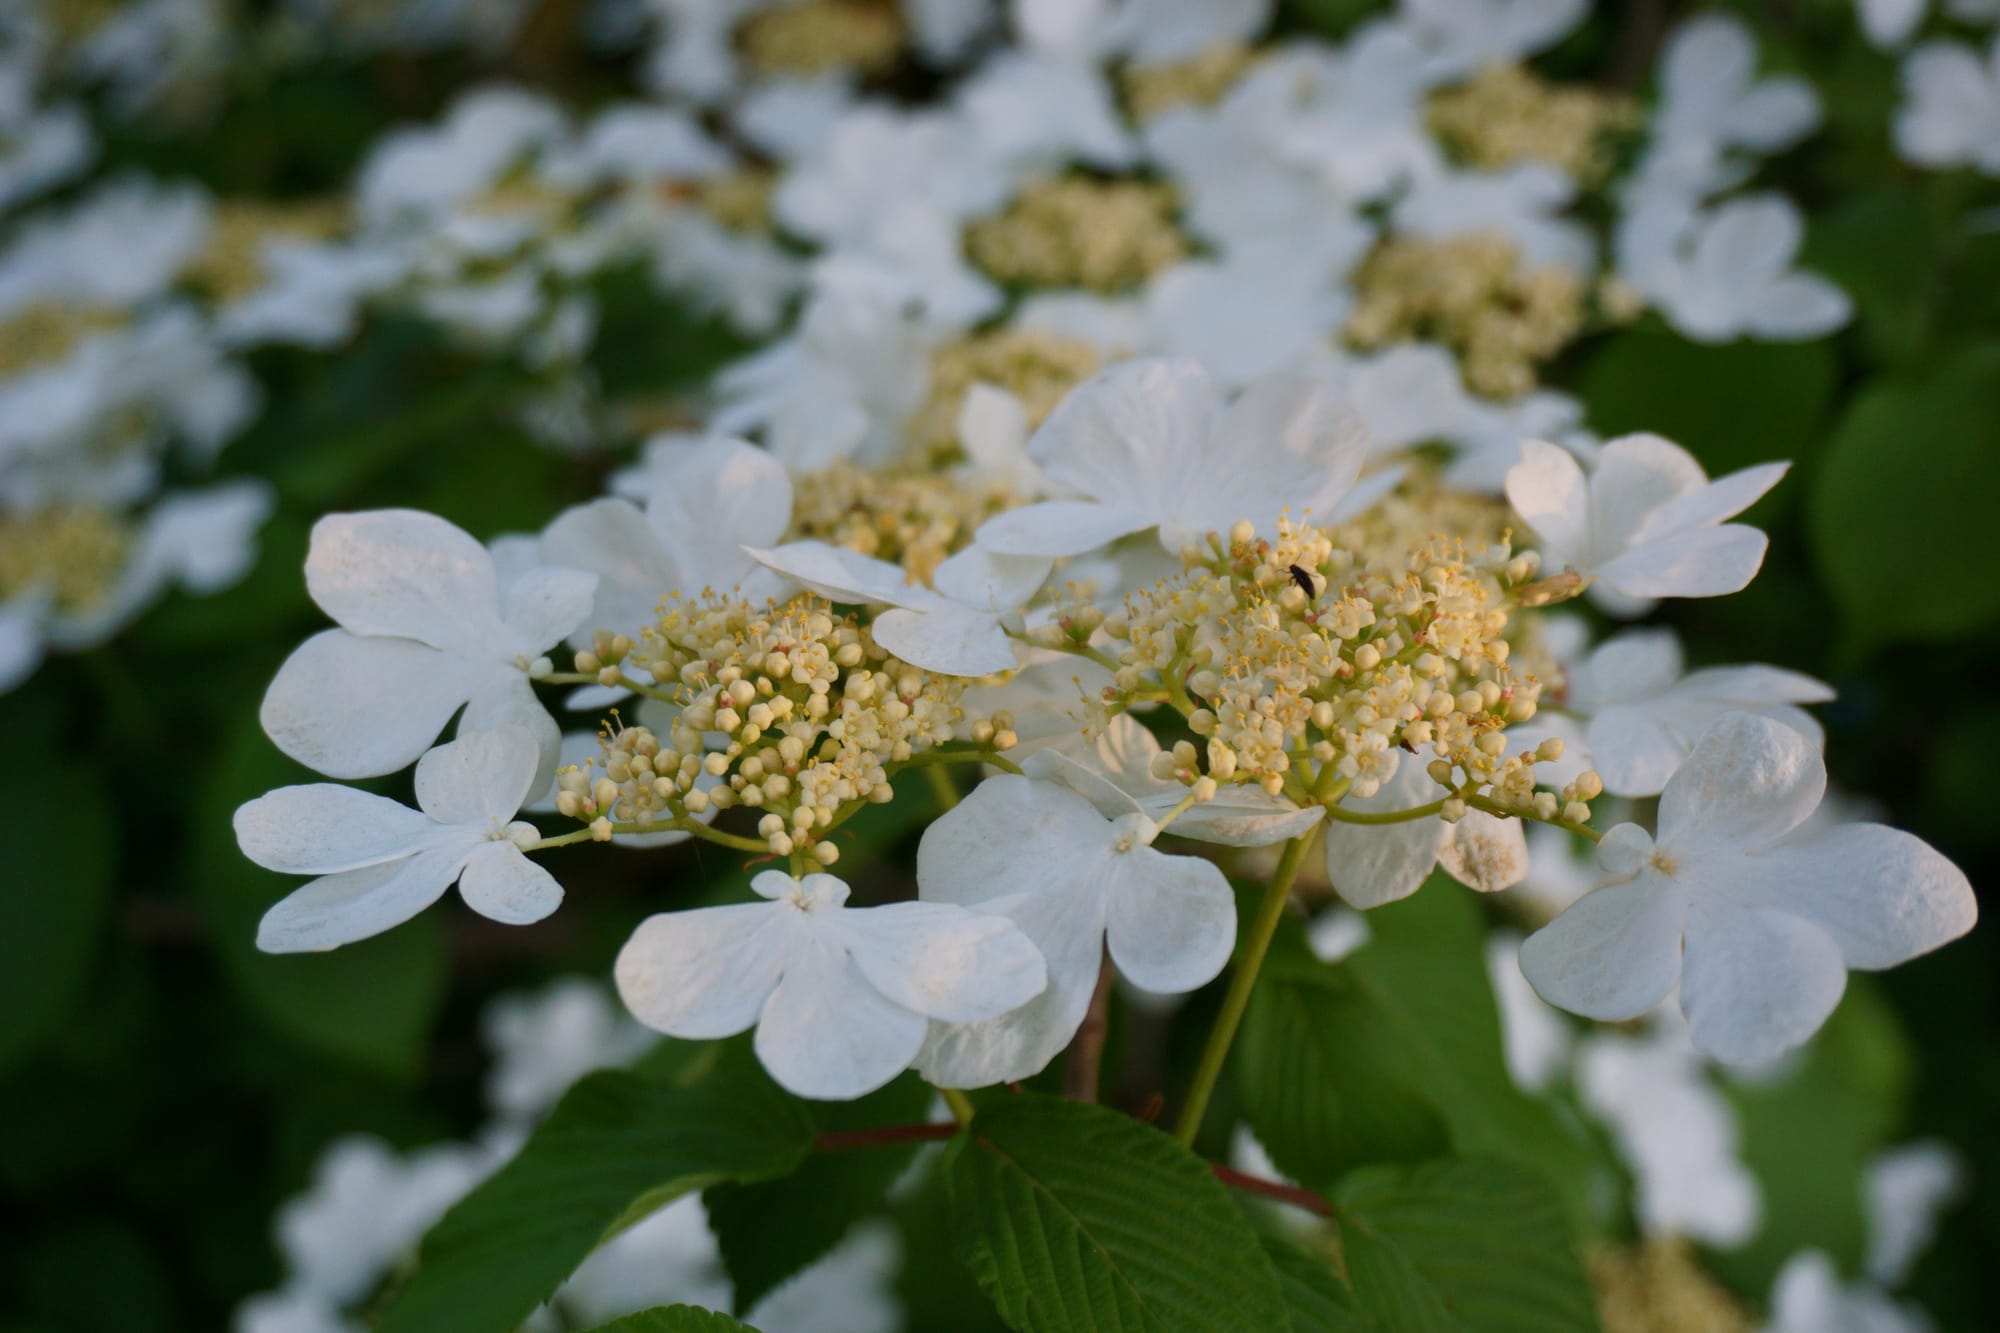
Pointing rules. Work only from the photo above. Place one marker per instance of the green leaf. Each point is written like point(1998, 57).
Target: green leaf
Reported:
point(1903, 513)
point(1730, 405)
point(1880, 248)
point(1319, 1301)
point(58, 893)
point(1073, 1217)
point(1465, 1245)
point(674, 1319)
point(616, 1148)
point(771, 1230)
point(369, 1003)
point(1395, 1054)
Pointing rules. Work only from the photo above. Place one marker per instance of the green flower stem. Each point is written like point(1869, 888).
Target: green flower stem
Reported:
point(1346, 816)
point(1269, 912)
point(960, 1104)
point(942, 787)
point(992, 757)
point(1493, 807)
point(701, 831)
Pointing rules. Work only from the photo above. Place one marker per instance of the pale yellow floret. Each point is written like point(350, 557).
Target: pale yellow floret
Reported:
point(1105, 236)
point(74, 554)
point(1507, 114)
point(811, 37)
point(1200, 80)
point(1658, 1286)
point(1039, 369)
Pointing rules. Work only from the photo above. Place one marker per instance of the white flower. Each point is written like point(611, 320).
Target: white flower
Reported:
point(876, 158)
point(1258, 313)
point(1907, 1187)
point(1951, 107)
point(122, 244)
point(417, 173)
point(380, 862)
point(1710, 92)
point(367, 1208)
point(1644, 711)
point(1034, 110)
point(707, 500)
point(1152, 447)
point(1077, 873)
point(545, 1041)
point(291, 1310)
point(1676, 1132)
point(1521, 203)
point(1118, 766)
point(993, 430)
point(1808, 1298)
point(1373, 864)
point(425, 629)
point(1757, 927)
point(956, 629)
point(311, 294)
point(1729, 275)
point(1647, 522)
point(840, 998)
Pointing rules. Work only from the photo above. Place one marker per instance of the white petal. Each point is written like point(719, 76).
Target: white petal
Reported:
point(352, 707)
point(482, 777)
point(949, 640)
point(612, 539)
point(1288, 441)
point(826, 1033)
point(973, 853)
point(1373, 864)
point(1172, 920)
point(718, 493)
point(1068, 929)
point(1130, 434)
point(406, 574)
point(506, 699)
point(1613, 954)
point(1701, 562)
point(1061, 528)
point(1242, 815)
point(500, 882)
point(1704, 506)
point(1635, 475)
point(1747, 783)
point(357, 904)
point(1547, 488)
point(1800, 306)
point(544, 606)
point(981, 578)
point(943, 961)
point(1748, 243)
point(705, 973)
point(1633, 753)
point(1636, 665)
point(841, 575)
point(1757, 983)
point(1773, 114)
point(323, 829)
point(1484, 852)
point(1884, 896)
point(1112, 798)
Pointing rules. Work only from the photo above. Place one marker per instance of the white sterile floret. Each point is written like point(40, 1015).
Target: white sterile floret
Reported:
point(1907, 1188)
point(1758, 927)
point(1675, 1131)
point(1462, 36)
point(955, 630)
point(1152, 446)
point(381, 862)
point(1950, 114)
point(545, 1041)
point(1076, 871)
point(707, 500)
point(426, 628)
point(841, 999)
point(1889, 23)
point(1646, 521)
point(1643, 710)
point(1373, 864)
point(1729, 274)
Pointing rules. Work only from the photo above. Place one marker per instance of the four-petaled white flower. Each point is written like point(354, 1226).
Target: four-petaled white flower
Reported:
point(1151, 446)
point(1951, 107)
point(1076, 871)
point(1642, 711)
point(1728, 274)
point(1646, 522)
point(954, 628)
point(426, 628)
point(841, 999)
point(1757, 927)
point(1373, 864)
point(380, 862)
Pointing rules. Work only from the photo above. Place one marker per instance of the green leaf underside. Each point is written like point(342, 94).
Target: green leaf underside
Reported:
point(770, 1230)
point(674, 1319)
point(1465, 1245)
point(1394, 1055)
point(616, 1148)
point(1073, 1217)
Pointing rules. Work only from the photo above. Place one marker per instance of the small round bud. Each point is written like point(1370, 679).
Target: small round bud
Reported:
point(1440, 771)
point(1242, 532)
point(1549, 750)
point(1452, 810)
point(1588, 785)
point(600, 829)
point(541, 668)
point(825, 853)
point(588, 664)
point(523, 834)
point(1204, 790)
point(1576, 812)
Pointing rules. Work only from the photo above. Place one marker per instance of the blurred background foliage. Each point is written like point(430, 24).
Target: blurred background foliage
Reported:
point(163, 1086)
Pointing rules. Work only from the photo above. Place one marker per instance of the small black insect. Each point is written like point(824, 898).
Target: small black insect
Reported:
point(1305, 582)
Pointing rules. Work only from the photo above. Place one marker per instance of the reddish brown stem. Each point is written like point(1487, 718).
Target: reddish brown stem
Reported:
point(1271, 1189)
point(844, 1140)
point(1086, 1052)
